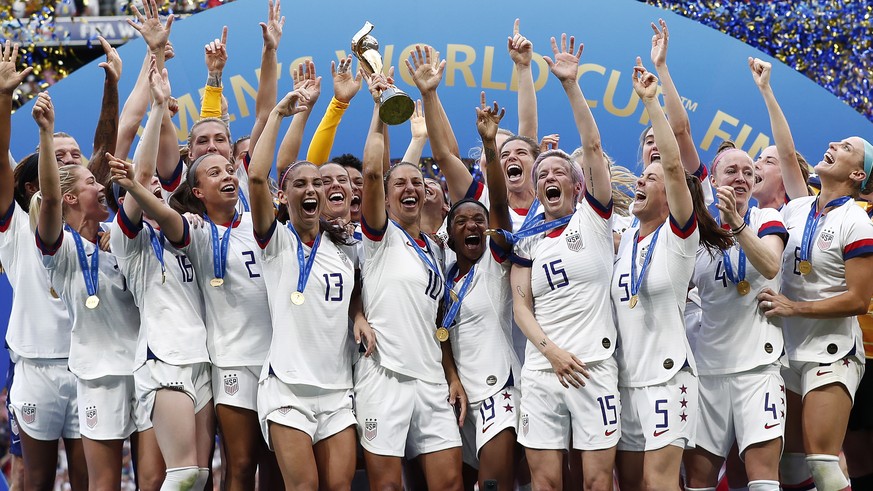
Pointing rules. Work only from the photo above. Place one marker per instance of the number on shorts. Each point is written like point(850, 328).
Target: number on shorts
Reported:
point(607, 404)
point(768, 406)
point(622, 283)
point(338, 285)
point(487, 405)
point(434, 285)
point(557, 272)
point(662, 412)
point(186, 267)
point(719, 275)
point(249, 264)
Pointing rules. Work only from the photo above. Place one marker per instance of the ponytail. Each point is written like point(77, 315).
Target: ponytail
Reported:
point(712, 237)
point(33, 209)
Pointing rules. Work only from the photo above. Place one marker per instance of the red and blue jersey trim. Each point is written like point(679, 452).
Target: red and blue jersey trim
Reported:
point(373, 234)
point(475, 190)
point(858, 248)
point(604, 211)
point(683, 232)
point(246, 160)
point(774, 228)
point(264, 240)
point(6, 219)
point(175, 179)
point(497, 252)
point(524, 262)
point(186, 235)
point(130, 229)
point(49, 249)
point(701, 172)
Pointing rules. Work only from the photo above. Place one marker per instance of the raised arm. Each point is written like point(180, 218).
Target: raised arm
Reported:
point(10, 79)
point(51, 220)
point(679, 122)
point(107, 127)
point(521, 50)
point(594, 165)
point(418, 130)
point(764, 253)
point(171, 222)
point(305, 79)
point(792, 177)
point(427, 72)
point(215, 55)
point(268, 85)
point(373, 201)
point(345, 86)
point(487, 123)
point(678, 195)
point(263, 214)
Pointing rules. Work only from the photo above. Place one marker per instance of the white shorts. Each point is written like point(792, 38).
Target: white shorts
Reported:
point(486, 419)
point(549, 411)
point(748, 407)
point(43, 396)
point(109, 409)
point(655, 416)
point(802, 377)
point(402, 416)
point(194, 380)
point(320, 413)
point(236, 386)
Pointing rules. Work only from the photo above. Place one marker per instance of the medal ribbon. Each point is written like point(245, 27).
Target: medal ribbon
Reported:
point(531, 217)
point(157, 245)
point(637, 281)
point(305, 265)
point(245, 202)
point(812, 224)
point(456, 306)
point(219, 251)
point(540, 226)
point(741, 261)
point(424, 258)
point(91, 273)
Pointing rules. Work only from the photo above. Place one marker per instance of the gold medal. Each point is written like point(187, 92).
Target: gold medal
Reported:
point(805, 267)
point(442, 334)
point(743, 287)
point(492, 232)
point(53, 292)
point(92, 302)
point(453, 295)
point(633, 301)
point(216, 282)
point(297, 298)
point(163, 277)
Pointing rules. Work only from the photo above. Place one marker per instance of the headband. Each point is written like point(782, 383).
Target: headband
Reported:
point(721, 156)
point(868, 162)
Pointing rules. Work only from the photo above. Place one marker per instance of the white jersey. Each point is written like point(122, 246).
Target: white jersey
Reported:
point(570, 273)
point(172, 329)
point(238, 327)
point(734, 334)
point(401, 295)
point(311, 343)
point(843, 233)
point(652, 346)
point(104, 338)
point(171, 183)
point(482, 334)
point(39, 326)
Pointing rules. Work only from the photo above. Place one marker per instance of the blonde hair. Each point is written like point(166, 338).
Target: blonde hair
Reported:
point(67, 174)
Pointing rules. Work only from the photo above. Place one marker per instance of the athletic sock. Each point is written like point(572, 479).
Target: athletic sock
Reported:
point(795, 473)
point(180, 479)
point(827, 473)
point(202, 477)
point(762, 485)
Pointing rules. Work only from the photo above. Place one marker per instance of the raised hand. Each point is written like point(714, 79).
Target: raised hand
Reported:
point(121, 172)
point(305, 78)
point(659, 43)
point(112, 65)
point(44, 112)
point(645, 82)
point(520, 48)
point(272, 30)
point(10, 78)
point(149, 26)
point(416, 123)
point(378, 82)
point(293, 102)
point(159, 83)
point(727, 207)
point(565, 66)
point(550, 142)
point(345, 86)
point(488, 120)
point(760, 71)
point(426, 68)
point(216, 53)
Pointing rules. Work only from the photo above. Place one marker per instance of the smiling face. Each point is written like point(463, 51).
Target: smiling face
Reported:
point(303, 194)
point(357, 182)
point(517, 158)
point(209, 137)
point(435, 199)
point(67, 151)
point(843, 161)
point(337, 190)
point(558, 185)
point(735, 169)
point(467, 231)
point(650, 150)
point(650, 198)
point(768, 177)
point(404, 194)
point(87, 196)
point(216, 182)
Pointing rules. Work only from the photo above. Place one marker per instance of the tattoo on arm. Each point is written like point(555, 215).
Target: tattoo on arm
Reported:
point(543, 342)
point(213, 80)
point(520, 293)
point(490, 155)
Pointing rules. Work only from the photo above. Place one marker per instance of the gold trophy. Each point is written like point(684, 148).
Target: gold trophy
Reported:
point(395, 106)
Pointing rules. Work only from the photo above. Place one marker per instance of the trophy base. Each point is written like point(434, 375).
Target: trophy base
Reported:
point(396, 107)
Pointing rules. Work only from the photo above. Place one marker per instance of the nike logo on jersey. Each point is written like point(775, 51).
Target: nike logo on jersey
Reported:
point(768, 426)
point(486, 428)
point(609, 432)
point(820, 373)
point(659, 433)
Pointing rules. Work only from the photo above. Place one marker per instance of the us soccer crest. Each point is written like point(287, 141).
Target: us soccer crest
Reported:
point(284, 410)
point(825, 239)
point(574, 240)
point(231, 384)
point(91, 416)
point(524, 424)
point(28, 413)
point(370, 429)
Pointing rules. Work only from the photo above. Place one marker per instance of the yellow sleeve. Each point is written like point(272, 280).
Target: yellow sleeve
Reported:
point(211, 107)
point(322, 141)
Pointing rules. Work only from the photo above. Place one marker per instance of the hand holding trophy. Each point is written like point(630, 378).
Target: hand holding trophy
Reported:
point(395, 106)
